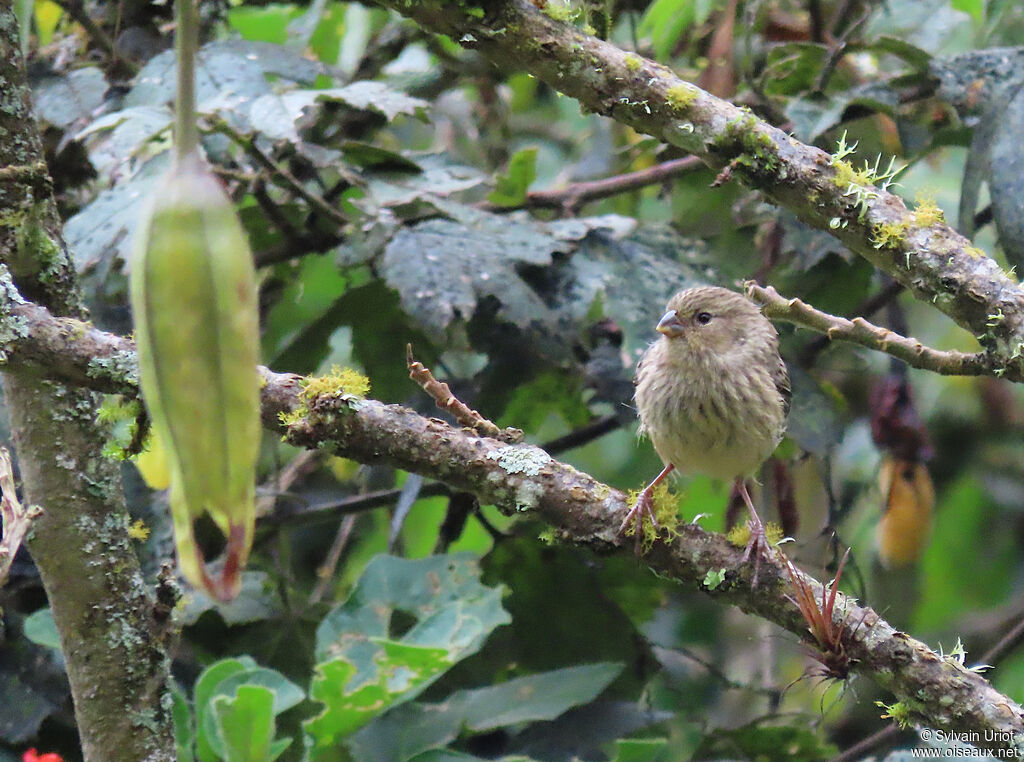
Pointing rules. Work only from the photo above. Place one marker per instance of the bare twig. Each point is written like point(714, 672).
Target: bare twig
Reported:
point(868, 307)
point(445, 400)
point(361, 503)
point(860, 331)
point(325, 573)
point(572, 197)
point(584, 434)
point(249, 146)
point(16, 519)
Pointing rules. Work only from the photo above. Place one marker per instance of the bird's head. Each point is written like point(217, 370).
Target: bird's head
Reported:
point(710, 319)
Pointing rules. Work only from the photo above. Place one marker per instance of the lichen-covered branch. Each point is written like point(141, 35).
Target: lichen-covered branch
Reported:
point(860, 331)
point(936, 692)
point(115, 657)
point(919, 250)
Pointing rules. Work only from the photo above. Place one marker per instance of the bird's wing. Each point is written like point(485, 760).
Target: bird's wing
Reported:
point(781, 379)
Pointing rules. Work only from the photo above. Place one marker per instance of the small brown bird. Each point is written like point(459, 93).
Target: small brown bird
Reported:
point(712, 393)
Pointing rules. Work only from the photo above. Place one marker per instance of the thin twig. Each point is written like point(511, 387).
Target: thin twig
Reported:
point(867, 308)
point(1007, 643)
point(325, 574)
point(366, 501)
point(583, 435)
point(445, 400)
point(860, 331)
point(16, 518)
point(300, 466)
point(572, 197)
point(248, 144)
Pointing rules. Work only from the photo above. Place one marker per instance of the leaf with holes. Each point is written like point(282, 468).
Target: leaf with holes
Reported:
point(368, 663)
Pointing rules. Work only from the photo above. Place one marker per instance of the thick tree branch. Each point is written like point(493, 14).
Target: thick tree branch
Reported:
point(860, 331)
point(115, 657)
point(930, 258)
point(519, 478)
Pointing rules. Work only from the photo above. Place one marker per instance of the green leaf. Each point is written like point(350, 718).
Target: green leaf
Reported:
point(203, 695)
point(401, 671)
point(100, 235)
point(314, 284)
point(226, 678)
point(245, 726)
point(912, 54)
point(267, 24)
point(63, 100)
point(532, 698)
point(641, 750)
point(751, 741)
point(40, 628)
point(276, 116)
point(229, 73)
point(365, 668)
point(511, 187)
point(665, 21)
point(255, 602)
point(184, 732)
point(974, 8)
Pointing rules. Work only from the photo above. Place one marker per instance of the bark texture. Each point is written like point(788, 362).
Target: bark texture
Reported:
point(115, 660)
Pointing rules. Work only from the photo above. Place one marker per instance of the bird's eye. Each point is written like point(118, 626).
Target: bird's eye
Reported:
point(703, 318)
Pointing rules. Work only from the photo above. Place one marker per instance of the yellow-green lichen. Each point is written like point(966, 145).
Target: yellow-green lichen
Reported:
point(898, 712)
point(681, 96)
point(927, 212)
point(664, 505)
point(341, 383)
point(739, 535)
point(889, 235)
point(846, 176)
point(974, 252)
point(633, 62)
point(139, 531)
point(559, 11)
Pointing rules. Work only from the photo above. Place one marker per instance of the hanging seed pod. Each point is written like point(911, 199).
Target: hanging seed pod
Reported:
point(193, 292)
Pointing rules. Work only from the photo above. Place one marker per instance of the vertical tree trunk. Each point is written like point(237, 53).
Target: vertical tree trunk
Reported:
point(115, 658)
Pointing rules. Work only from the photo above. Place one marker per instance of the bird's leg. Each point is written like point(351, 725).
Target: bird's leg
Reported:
point(644, 507)
point(757, 545)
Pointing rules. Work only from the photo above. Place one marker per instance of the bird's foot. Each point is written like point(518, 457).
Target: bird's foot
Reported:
point(642, 509)
point(758, 547)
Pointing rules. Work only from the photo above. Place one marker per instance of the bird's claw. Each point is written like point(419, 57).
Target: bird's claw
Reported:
point(642, 508)
point(757, 548)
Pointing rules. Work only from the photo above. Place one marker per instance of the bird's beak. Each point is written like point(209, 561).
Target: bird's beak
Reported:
point(670, 324)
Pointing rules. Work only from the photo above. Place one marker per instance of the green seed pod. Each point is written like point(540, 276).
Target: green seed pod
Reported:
point(193, 291)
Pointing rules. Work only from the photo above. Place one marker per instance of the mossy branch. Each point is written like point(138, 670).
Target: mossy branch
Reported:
point(860, 331)
point(938, 692)
point(114, 648)
point(927, 256)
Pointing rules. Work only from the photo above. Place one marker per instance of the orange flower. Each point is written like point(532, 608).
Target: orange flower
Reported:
point(34, 756)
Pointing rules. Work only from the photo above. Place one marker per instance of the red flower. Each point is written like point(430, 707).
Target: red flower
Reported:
point(34, 756)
